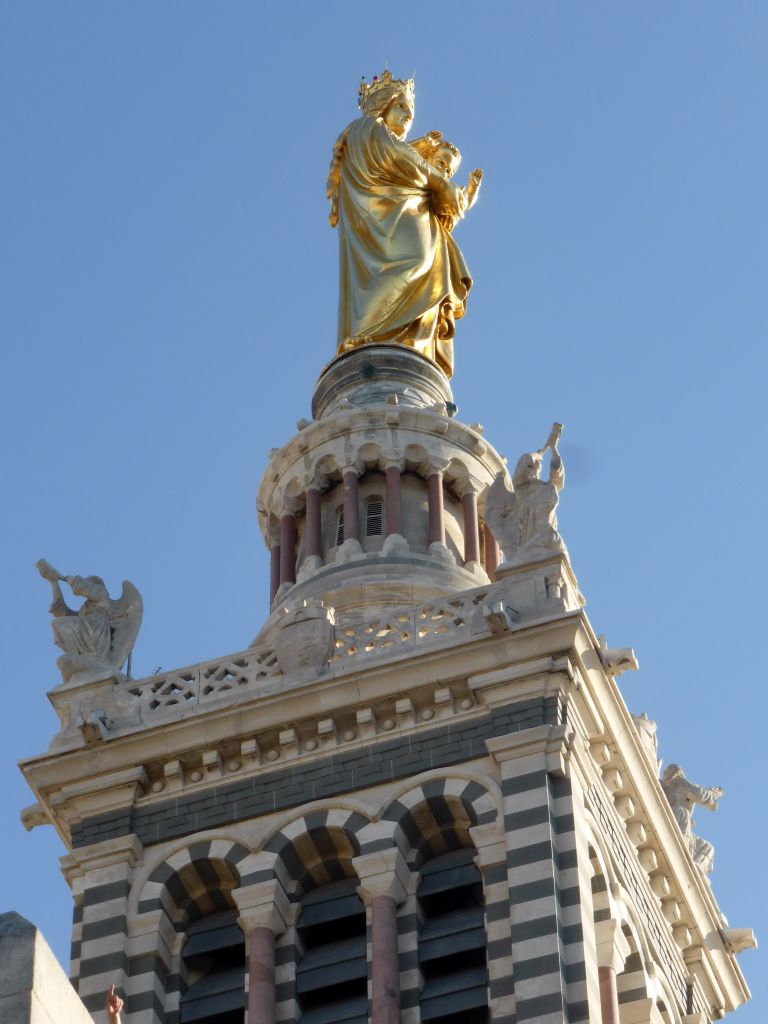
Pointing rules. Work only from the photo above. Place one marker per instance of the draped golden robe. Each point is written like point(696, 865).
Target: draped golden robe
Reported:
point(402, 278)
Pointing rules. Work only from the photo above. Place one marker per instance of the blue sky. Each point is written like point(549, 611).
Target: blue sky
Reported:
point(168, 298)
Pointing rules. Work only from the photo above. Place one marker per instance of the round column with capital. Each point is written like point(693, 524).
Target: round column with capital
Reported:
point(264, 913)
point(382, 887)
point(612, 952)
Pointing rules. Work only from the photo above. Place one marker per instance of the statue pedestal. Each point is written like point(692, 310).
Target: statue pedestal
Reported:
point(548, 580)
point(377, 374)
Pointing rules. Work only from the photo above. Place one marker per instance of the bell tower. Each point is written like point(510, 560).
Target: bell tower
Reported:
point(417, 796)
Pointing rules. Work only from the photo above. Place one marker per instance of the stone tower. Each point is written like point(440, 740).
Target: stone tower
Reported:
point(417, 796)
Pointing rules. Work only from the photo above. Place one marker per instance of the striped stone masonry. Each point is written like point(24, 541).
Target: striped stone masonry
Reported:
point(516, 783)
point(101, 879)
point(542, 875)
point(489, 841)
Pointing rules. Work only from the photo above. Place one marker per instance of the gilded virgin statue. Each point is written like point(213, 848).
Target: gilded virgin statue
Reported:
point(402, 278)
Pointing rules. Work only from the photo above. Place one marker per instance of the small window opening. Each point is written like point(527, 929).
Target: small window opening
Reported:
point(339, 525)
point(374, 517)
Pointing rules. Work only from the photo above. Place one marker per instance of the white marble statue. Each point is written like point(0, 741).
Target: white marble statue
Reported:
point(98, 637)
point(683, 796)
point(524, 520)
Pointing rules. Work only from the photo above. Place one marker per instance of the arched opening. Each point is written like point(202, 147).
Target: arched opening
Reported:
point(433, 830)
point(211, 966)
point(330, 956)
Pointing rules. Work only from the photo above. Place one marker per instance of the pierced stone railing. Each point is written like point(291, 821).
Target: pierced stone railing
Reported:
point(189, 687)
point(407, 626)
point(251, 670)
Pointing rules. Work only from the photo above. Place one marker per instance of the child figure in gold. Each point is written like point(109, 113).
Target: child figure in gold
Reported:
point(445, 157)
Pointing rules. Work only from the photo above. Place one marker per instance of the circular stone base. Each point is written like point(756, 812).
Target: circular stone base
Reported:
point(372, 374)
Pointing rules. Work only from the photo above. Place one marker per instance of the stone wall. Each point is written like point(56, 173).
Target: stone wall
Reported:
point(33, 987)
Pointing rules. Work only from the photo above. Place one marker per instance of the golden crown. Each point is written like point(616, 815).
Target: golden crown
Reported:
point(379, 83)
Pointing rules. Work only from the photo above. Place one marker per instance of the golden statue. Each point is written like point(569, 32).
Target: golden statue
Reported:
point(402, 278)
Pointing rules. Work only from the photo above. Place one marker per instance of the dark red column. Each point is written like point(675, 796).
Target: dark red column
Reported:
point(312, 540)
point(609, 995)
point(288, 548)
point(392, 477)
point(491, 552)
point(385, 967)
point(436, 512)
point(261, 977)
point(351, 518)
point(471, 529)
point(274, 571)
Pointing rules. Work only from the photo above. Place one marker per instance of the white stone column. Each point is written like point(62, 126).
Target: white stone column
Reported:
point(264, 913)
point(383, 886)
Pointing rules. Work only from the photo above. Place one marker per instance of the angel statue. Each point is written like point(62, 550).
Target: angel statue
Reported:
point(99, 637)
point(683, 796)
point(524, 520)
point(402, 278)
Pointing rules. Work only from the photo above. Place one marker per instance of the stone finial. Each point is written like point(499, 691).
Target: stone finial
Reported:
point(524, 519)
point(97, 638)
point(683, 796)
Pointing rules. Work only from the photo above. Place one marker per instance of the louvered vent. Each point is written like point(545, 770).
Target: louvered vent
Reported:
point(374, 518)
point(214, 948)
point(331, 977)
point(452, 941)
